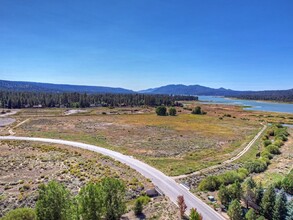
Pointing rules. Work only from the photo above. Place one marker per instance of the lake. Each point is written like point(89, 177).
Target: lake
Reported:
point(253, 105)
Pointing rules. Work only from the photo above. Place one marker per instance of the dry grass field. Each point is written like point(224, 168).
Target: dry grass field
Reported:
point(176, 145)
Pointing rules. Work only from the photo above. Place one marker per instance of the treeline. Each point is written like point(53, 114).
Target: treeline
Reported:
point(104, 200)
point(281, 96)
point(95, 201)
point(77, 100)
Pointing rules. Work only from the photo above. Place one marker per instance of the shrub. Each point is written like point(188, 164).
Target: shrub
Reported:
point(210, 183)
point(139, 203)
point(161, 111)
point(228, 177)
point(287, 183)
point(273, 149)
point(256, 166)
point(278, 143)
point(172, 111)
point(242, 173)
point(267, 143)
point(281, 137)
point(266, 154)
point(20, 214)
point(197, 111)
point(271, 132)
point(138, 207)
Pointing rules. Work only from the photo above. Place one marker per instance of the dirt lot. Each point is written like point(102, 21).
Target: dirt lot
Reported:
point(23, 166)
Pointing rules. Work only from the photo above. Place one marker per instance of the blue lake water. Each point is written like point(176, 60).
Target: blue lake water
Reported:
point(255, 105)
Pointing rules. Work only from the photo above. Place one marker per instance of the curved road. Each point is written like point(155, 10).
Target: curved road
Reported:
point(166, 184)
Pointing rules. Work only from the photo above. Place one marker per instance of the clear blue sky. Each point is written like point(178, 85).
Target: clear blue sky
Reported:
point(137, 44)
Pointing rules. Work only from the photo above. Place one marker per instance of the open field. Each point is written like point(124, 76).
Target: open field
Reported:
point(176, 145)
point(24, 166)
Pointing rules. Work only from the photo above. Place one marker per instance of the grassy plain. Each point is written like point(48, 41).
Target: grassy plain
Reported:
point(176, 145)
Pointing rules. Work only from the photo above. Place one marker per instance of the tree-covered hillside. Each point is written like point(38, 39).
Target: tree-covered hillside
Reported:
point(48, 87)
point(78, 100)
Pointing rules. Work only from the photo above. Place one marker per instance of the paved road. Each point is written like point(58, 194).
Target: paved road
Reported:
point(240, 154)
point(168, 186)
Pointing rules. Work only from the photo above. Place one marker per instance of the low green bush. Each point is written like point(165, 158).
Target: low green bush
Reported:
point(20, 214)
point(273, 149)
point(228, 177)
point(266, 154)
point(287, 183)
point(278, 143)
point(267, 143)
point(256, 166)
point(210, 183)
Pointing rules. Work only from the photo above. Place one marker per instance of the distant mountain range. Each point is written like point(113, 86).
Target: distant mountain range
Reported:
point(191, 90)
point(49, 87)
point(282, 95)
point(275, 95)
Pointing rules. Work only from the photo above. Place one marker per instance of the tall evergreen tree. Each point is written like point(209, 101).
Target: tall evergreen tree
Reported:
point(250, 215)
point(258, 193)
point(280, 208)
point(290, 210)
point(268, 202)
point(235, 211)
point(248, 191)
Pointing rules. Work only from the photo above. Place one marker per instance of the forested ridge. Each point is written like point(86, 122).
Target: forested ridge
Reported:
point(17, 86)
point(83, 100)
point(274, 95)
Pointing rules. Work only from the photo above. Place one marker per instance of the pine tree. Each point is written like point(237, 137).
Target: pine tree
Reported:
point(268, 202)
point(290, 210)
point(250, 215)
point(280, 208)
point(194, 215)
point(235, 211)
point(248, 191)
point(258, 193)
